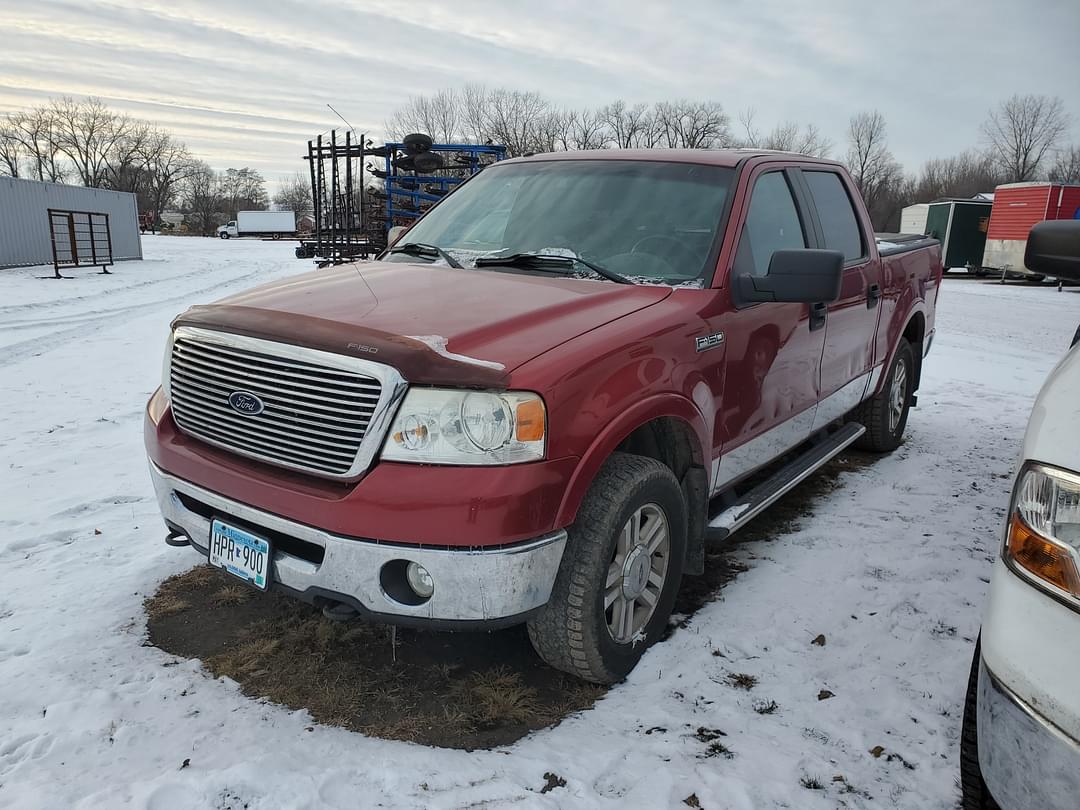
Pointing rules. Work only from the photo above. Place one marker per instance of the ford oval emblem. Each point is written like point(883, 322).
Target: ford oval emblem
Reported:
point(246, 403)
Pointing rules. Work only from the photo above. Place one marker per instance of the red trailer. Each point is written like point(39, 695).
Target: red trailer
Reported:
point(1018, 206)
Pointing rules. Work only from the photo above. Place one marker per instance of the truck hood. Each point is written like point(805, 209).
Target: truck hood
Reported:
point(435, 325)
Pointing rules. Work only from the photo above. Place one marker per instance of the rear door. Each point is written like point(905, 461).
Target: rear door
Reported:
point(848, 353)
point(773, 349)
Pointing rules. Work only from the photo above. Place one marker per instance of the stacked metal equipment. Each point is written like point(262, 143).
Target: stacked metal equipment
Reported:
point(352, 219)
point(419, 173)
point(336, 167)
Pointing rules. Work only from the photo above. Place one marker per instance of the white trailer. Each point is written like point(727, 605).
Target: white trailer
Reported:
point(274, 224)
point(913, 218)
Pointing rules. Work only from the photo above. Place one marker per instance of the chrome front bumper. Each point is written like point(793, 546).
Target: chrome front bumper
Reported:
point(1026, 761)
point(472, 586)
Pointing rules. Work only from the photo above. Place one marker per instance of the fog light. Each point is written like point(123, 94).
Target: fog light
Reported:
point(419, 580)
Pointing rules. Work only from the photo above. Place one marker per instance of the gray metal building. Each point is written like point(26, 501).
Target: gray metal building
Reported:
point(24, 219)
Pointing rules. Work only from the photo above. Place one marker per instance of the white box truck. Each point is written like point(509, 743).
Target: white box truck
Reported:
point(274, 224)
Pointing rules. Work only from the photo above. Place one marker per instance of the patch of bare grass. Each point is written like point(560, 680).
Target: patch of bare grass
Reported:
point(232, 595)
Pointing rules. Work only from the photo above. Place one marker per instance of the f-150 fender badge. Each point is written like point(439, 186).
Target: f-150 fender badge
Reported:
point(360, 347)
point(709, 341)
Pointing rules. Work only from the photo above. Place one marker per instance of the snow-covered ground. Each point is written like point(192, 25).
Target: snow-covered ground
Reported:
point(891, 567)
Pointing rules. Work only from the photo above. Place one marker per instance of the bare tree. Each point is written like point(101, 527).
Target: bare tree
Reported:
point(962, 175)
point(201, 199)
point(35, 132)
point(168, 163)
point(514, 119)
point(869, 159)
point(587, 129)
point(787, 136)
point(125, 163)
point(687, 124)
point(552, 131)
point(11, 151)
point(1022, 131)
point(294, 194)
point(243, 190)
point(474, 116)
point(629, 127)
point(87, 132)
point(1066, 168)
point(437, 115)
point(876, 172)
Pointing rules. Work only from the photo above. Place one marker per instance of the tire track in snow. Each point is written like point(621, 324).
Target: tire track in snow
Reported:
point(100, 320)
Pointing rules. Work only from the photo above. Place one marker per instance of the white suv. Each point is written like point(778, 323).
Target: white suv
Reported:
point(1020, 746)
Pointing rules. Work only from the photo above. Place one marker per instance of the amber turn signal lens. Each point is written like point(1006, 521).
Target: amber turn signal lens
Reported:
point(1047, 560)
point(530, 421)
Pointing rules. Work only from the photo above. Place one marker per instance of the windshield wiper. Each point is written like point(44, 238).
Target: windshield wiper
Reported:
point(424, 249)
point(534, 259)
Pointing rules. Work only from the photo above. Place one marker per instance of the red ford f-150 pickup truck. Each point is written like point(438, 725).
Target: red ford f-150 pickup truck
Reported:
point(540, 402)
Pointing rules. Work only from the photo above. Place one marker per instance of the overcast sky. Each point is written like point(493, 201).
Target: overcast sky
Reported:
point(247, 83)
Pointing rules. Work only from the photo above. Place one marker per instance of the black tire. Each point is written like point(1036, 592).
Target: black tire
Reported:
point(571, 631)
point(974, 793)
point(223, 235)
point(882, 434)
point(416, 142)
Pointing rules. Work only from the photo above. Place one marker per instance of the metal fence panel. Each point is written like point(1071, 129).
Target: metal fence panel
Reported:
point(24, 219)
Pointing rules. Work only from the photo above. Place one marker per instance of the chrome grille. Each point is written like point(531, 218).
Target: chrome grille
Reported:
point(317, 406)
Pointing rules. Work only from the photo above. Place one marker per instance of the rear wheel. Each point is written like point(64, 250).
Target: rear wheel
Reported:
point(975, 795)
point(619, 574)
point(885, 415)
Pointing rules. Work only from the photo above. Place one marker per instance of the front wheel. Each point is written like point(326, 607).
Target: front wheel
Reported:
point(885, 415)
point(975, 795)
point(619, 575)
point(224, 235)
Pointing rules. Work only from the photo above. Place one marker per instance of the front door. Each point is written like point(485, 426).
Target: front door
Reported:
point(774, 350)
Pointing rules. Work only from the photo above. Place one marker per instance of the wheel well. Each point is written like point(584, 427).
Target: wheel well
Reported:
point(672, 442)
point(914, 332)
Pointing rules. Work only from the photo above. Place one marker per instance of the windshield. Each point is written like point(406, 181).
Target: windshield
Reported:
point(650, 221)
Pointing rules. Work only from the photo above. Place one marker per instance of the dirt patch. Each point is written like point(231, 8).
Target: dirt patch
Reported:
point(455, 690)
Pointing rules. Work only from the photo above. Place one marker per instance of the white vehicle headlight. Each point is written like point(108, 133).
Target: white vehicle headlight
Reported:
point(1042, 541)
point(450, 426)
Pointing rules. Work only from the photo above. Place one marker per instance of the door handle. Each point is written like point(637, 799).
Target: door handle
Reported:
point(818, 314)
point(873, 295)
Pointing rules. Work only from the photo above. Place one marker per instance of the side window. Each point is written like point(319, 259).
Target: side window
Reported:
point(836, 213)
point(772, 224)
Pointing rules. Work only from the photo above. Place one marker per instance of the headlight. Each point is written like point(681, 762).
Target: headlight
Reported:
point(1042, 541)
point(448, 426)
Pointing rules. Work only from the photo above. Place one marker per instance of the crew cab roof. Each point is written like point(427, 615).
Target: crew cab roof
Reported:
point(710, 157)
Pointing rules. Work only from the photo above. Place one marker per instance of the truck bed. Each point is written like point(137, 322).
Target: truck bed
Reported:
point(891, 244)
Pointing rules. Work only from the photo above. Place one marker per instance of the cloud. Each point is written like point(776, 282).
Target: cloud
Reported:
point(247, 83)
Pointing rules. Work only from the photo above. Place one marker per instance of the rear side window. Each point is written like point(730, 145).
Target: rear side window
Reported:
point(836, 214)
point(772, 224)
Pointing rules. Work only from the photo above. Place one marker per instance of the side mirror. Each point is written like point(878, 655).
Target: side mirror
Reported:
point(395, 233)
point(1053, 249)
point(807, 276)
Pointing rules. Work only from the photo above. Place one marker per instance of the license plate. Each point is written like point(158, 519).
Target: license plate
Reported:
point(241, 553)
